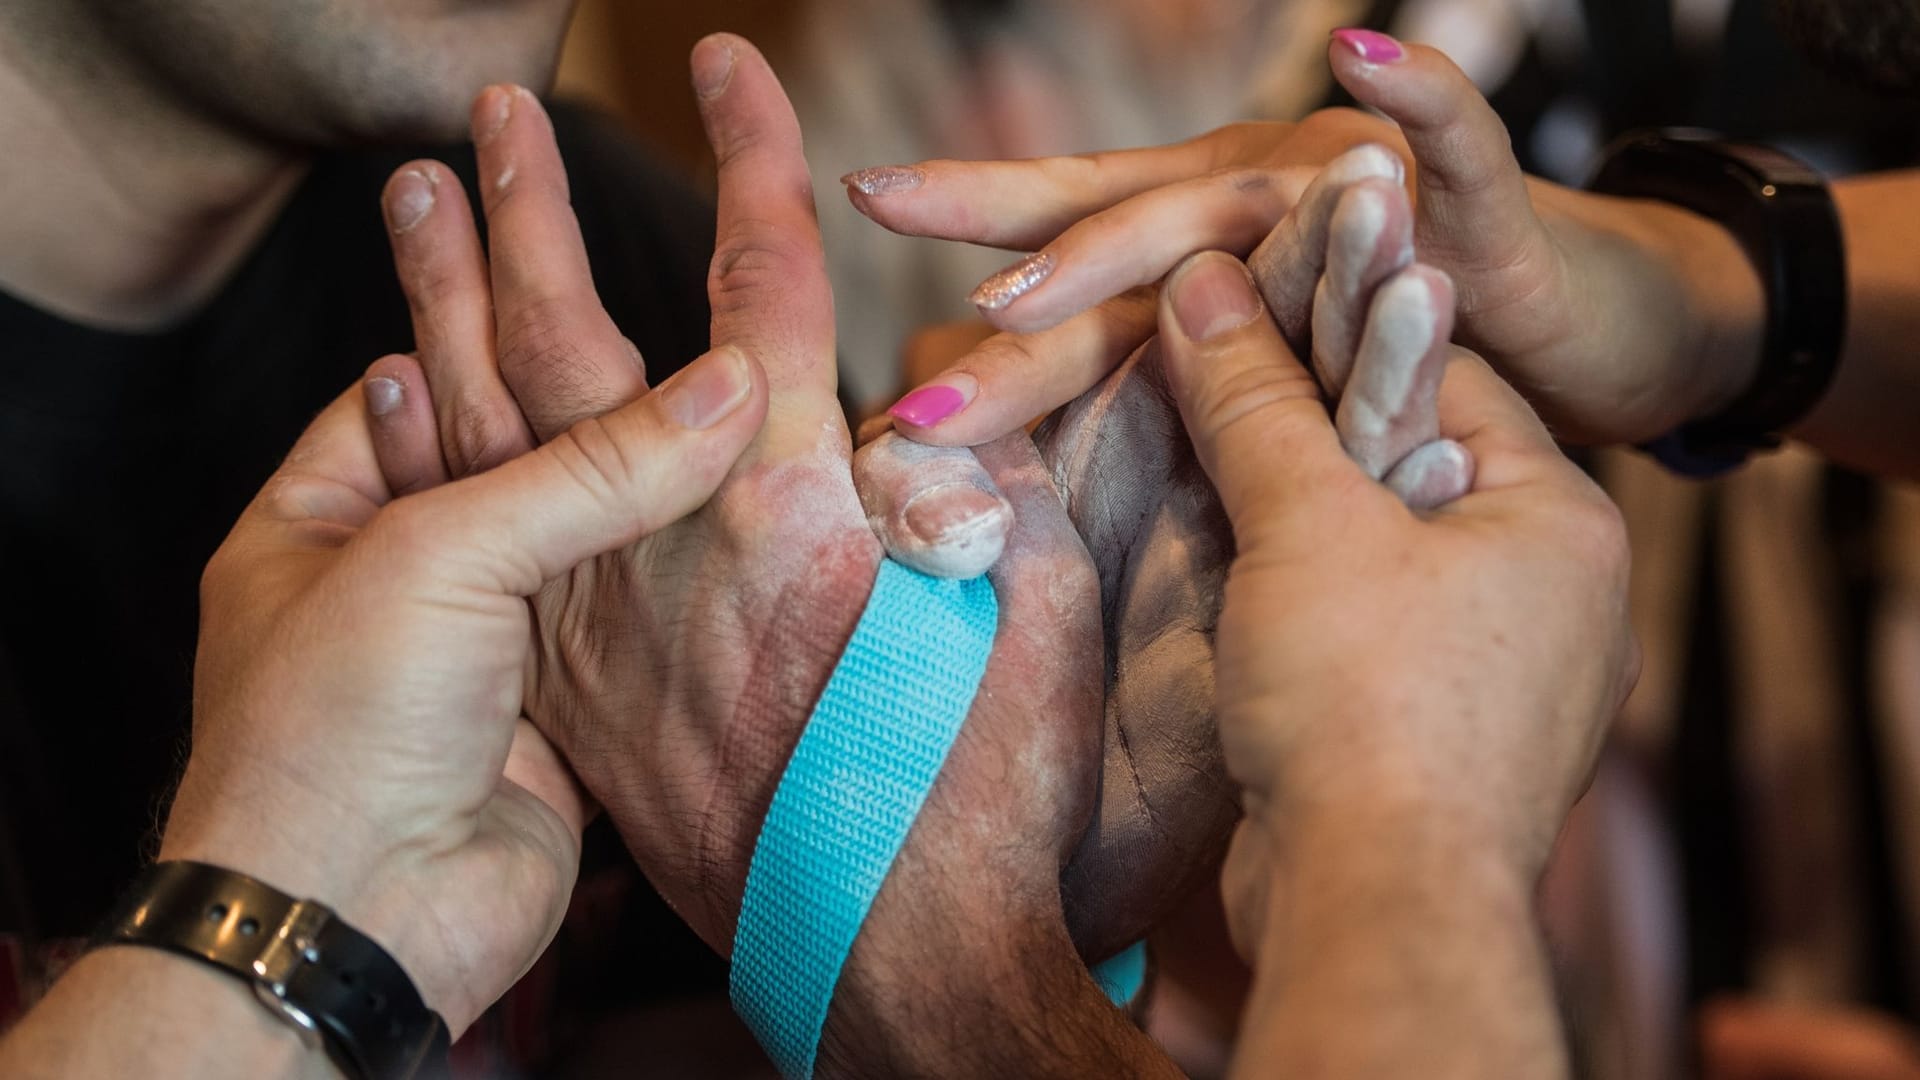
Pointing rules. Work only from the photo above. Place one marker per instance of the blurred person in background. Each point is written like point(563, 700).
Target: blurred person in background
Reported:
point(192, 263)
point(903, 80)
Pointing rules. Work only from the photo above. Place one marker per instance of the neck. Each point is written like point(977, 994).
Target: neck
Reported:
point(120, 207)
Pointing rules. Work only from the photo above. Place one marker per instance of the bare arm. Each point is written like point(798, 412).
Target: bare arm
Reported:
point(1396, 945)
point(1867, 418)
point(140, 1012)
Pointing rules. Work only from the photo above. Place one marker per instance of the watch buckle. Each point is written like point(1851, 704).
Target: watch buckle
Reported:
point(291, 945)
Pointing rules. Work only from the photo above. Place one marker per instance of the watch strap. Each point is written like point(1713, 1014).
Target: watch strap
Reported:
point(1783, 216)
point(331, 982)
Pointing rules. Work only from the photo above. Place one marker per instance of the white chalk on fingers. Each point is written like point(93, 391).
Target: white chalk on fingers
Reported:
point(1391, 402)
point(1433, 475)
point(934, 508)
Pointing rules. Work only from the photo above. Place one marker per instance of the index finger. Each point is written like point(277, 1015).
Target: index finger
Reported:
point(1026, 204)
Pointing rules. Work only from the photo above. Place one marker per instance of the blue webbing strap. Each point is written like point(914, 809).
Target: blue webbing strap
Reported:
point(864, 765)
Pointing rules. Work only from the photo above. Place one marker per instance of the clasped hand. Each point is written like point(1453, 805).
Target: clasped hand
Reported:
point(505, 582)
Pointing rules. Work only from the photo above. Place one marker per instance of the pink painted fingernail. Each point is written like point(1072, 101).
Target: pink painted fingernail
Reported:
point(1370, 45)
point(885, 180)
point(490, 113)
point(1016, 281)
point(929, 405)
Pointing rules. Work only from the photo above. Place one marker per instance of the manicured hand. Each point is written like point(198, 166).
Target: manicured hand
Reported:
point(1461, 665)
point(1619, 319)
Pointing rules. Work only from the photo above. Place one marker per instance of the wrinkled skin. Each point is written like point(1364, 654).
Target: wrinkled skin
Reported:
point(1162, 544)
point(676, 675)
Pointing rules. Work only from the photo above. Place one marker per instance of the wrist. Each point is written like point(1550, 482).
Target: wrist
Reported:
point(128, 1011)
point(367, 891)
point(1727, 308)
point(1388, 818)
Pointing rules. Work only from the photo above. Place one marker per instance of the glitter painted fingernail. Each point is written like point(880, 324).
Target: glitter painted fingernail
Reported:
point(1016, 281)
point(885, 180)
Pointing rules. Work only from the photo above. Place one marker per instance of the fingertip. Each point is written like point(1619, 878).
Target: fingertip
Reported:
point(1369, 47)
point(1210, 294)
point(933, 404)
point(1433, 475)
point(492, 108)
point(884, 180)
point(400, 418)
point(993, 296)
point(409, 196)
point(712, 389)
point(712, 63)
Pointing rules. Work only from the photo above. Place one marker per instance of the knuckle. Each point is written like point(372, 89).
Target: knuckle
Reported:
point(1265, 395)
point(596, 458)
point(1002, 352)
point(1597, 532)
point(1247, 140)
point(433, 284)
point(1074, 171)
point(478, 435)
point(755, 257)
point(545, 356)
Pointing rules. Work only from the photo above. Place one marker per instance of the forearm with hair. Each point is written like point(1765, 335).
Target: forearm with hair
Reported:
point(946, 979)
point(1394, 947)
point(139, 1012)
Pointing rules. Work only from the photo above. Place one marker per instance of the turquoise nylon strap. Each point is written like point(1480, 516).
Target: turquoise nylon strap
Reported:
point(1121, 976)
point(863, 767)
point(856, 781)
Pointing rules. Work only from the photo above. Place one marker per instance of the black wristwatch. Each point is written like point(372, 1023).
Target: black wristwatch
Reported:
point(332, 983)
point(1783, 216)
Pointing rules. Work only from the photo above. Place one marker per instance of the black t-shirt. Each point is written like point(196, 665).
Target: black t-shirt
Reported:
point(124, 459)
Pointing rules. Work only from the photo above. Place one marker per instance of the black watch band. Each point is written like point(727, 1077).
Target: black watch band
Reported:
point(1783, 216)
point(330, 981)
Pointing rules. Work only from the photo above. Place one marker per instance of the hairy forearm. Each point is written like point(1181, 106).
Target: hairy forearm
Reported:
point(945, 980)
point(1866, 419)
point(136, 1012)
point(1393, 946)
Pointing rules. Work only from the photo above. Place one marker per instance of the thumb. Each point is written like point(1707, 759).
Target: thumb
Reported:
point(1474, 210)
point(602, 484)
point(1254, 412)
